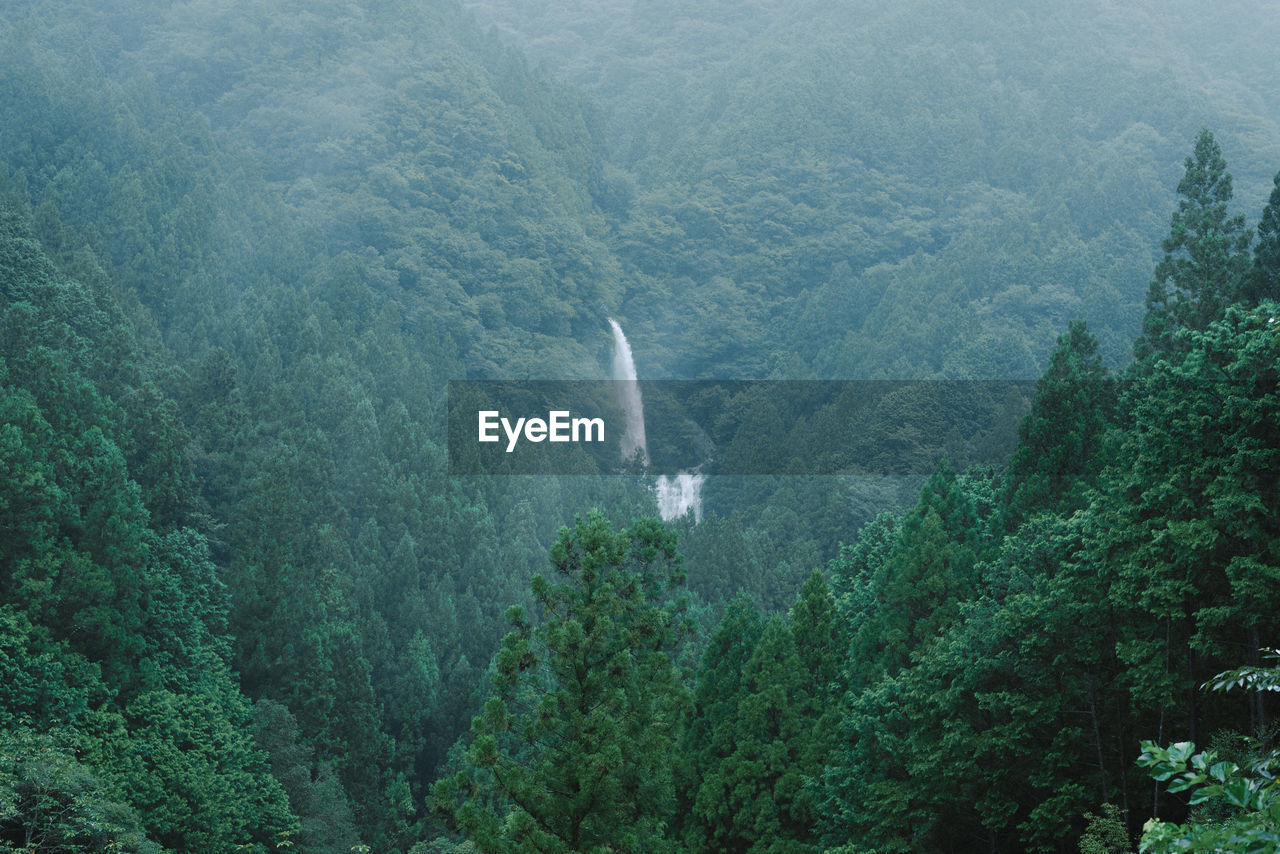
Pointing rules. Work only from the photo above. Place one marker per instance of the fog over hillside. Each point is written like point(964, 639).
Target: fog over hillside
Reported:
point(257, 591)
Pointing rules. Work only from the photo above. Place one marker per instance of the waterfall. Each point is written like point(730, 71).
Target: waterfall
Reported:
point(676, 495)
point(624, 369)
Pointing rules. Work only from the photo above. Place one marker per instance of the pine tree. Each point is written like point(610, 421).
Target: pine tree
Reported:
point(1060, 442)
point(572, 752)
point(764, 775)
point(919, 588)
point(1265, 281)
point(855, 567)
point(707, 739)
point(768, 724)
point(1206, 264)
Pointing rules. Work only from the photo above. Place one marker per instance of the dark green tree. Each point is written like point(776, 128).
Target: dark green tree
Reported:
point(1265, 281)
point(819, 637)
point(1206, 263)
point(919, 587)
point(767, 725)
point(191, 766)
point(326, 824)
point(1061, 441)
point(708, 734)
point(753, 800)
point(1191, 526)
point(854, 568)
point(115, 617)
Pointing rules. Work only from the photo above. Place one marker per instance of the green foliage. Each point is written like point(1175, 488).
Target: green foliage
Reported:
point(852, 572)
point(973, 740)
point(760, 781)
point(326, 822)
point(707, 738)
point(928, 574)
point(1097, 616)
point(50, 802)
point(1206, 264)
point(325, 210)
point(43, 684)
point(572, 752)
point(1061, 442)
point(762, 726)
point(116, 631)
point(1105, 833)
point(194, 772)
point(1248, 677)
point(1233, 808)
point(1252, 794)
point(1265, 282)
point(1189, 523)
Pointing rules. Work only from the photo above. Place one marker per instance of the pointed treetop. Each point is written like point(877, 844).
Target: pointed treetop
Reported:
point(1061, 440)
point(1265, 282)
point(1206, 264)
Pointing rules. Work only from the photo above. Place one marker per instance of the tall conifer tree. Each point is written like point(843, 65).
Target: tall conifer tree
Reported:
point(1265, 283)
point(1205, 265)
point(1060, 442)
point(573, 750)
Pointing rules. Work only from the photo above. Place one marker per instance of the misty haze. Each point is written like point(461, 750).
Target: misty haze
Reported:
point(256, 597)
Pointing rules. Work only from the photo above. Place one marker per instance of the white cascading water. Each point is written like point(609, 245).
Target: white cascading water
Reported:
point(676, 495)
point(624, 370)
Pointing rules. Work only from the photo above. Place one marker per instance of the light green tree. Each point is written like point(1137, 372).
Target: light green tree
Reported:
point(573, 750)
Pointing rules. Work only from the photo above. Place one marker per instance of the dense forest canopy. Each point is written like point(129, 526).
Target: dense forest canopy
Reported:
point(244, 246)
point(858, 173)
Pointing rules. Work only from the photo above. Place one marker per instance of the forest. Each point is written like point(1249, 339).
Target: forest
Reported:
point(249, 603)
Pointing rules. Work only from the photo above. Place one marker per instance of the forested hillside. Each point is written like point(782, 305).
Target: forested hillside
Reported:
point(244, 605)
point(846, 179)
